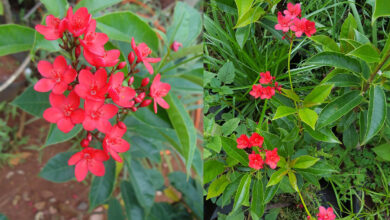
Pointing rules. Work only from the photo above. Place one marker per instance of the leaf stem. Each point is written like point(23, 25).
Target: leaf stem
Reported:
point(289, 68)
point(373, 74)
point(304, 204)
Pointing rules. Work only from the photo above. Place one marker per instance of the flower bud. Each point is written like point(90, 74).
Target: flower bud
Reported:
point(77, 51)
point(145, 103)
point(137, 100)
point(131, 103)
point(84, 143)
point(134, 109)
point(131, 57)
point(121, 125)
point(175, 46)
point(121, 65)
point(70, 87)
point(131, 80)
point(141, 95)
point(145, 82)
point(89, 136)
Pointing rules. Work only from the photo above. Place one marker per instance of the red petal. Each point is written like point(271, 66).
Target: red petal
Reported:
point(116, 79)
point(109, 111)
point(89, 124)
point(115, 156)
point(82, 90)
point(152, 59)
point(96, 167)
point(73, 99)
point(60, 88)
point(85, 77)
point(81, 170)
point(45, 68)
point(100, 155)
point(162, 103)
point(65, 125)
point(52, 115)
point(155, 106)
point(70, 75)
point(103, 125)
point(60, 63)
point(78, 116)
point(148, 67)
point(44, 85)
point(116, 131)
point(75, 158)
point(57, 100)
point(101, 77)
point(123, 147)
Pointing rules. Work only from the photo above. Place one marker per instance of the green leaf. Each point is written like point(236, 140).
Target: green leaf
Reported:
point(214, 143)
point(132, 206)
point(324, 134)
point(242, 191)
point(318, 95)
point(304, 162)
point(186, 26)
point(381, 9)
point(32, 101)
point(246, 13)
point(257, 205)
point(1, 13)
point(230, 146)
point(344, 80)
point(339, 107)
point(291, 94)
point(212, 169)
point(277, 177)
point(227, 73)
point(377, 112)
point(308, 116)
point(115, 211)
point(348, 28)
point(57, 169)
point(217, 187)
point(270, 192)
point(3, 217)
point(103, 186)
point(56, 136)
point(184, 128)
point(230, 126)
point(366, 52)
point(242, 35)
point(293, 181)
point(383, 151)
point(56, 7)
point(337, 60)
point(283, 111)
point(326, 42)
point(15, 38)
point(122, 26)
point(95, 5)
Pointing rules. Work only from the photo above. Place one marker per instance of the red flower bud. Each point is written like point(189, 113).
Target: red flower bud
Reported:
point(131, 80)
point(145, 103)
point(121, 65)
point(84, 143)
point(89, 136)
point(70, 88)
point(145, 82)
point(131, 103)
point(141, 95)
point(131, 57)
point(121, 125)
point(134, 109)
point(137, 100)
point(77, 51)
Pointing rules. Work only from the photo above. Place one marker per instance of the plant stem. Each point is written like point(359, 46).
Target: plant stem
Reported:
point(373, 74)
point(289, 69)
point(262, 114)
point(304, 204)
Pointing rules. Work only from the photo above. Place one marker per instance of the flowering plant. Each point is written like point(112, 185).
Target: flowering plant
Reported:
point(113, 88)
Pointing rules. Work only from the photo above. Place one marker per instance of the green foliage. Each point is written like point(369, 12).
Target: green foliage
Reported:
point(57, 168)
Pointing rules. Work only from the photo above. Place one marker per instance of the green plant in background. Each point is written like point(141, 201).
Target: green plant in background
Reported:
point(140, 175)
point(333, 106)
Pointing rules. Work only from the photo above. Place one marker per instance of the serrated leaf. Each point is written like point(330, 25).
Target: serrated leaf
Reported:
point(366, 52)
point(337, 60)
point(283, 111)
point(230, 126)
point(308, 116)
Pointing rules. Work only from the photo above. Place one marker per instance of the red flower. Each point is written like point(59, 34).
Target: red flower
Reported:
point(293, 11)
point(89, 159)
point(326, 214)
point(54, 28)
point(65, 111)
point(256, 140)
point(277, 86)
point(121, 95)
point(256, 91)
point(255, 161)
point(97, 115)
point(310, 28)
point(142, 51)
point(265, 78)
point(272, 158)
point(57, 76)
point(284, 23)
point(78, 22)
point(94, 42)
point(92, 87)
point(113, 143)
point(110, 58)
point(267, 92)
point(158, 90)
point(243, 142)
point(175, 46)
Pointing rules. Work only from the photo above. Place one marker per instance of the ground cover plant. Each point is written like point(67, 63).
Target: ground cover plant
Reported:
point(121, 90)
point(296, 110)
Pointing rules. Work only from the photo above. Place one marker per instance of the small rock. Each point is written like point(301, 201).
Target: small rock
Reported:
point(9, 175)
point(99, 216)
point(47, 194)
point(82, 206)
point(40, 205)
point(52, 210)
point(20, 172)
point(39, 216)
point(67, 202)
point(52, 200)
point(159, 193)
point(26, 196)
point(16, 199)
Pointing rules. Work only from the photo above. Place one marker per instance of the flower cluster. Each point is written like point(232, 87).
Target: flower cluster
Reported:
point(266, 88)
point(256, 160)
point(104, 94)
point(325, 214)
point(291, 21)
